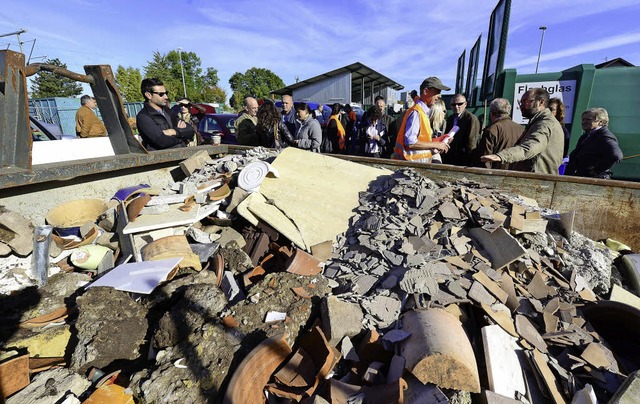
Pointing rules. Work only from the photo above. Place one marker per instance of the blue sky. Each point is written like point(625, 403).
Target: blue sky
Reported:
point(404, 40)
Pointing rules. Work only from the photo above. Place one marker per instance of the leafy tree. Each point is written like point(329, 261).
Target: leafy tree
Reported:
point(48, 84)
point(129, 80)
point(256, 81)
point(201, 87)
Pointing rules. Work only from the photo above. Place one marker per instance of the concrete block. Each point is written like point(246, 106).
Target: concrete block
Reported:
point(195, 162)
point(340, 319)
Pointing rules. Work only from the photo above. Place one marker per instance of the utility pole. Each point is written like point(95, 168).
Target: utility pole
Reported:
point(543, 28)
point(184, 86)
point(17, 33)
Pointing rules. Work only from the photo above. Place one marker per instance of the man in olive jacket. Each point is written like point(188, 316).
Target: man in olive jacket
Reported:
point(540, 148)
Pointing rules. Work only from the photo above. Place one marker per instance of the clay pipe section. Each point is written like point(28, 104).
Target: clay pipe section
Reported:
point(438, 350)
point(249, 380)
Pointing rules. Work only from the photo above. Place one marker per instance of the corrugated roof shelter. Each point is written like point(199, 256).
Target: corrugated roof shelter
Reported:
point(352, 83)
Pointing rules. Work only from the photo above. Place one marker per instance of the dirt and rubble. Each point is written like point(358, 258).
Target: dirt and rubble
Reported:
point(437, 292)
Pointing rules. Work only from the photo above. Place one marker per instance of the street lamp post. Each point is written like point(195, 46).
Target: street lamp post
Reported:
point(184, 86)
point(543, 28)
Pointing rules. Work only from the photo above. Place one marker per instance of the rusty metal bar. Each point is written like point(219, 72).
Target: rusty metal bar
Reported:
point(15, 136)
point(34, 68)
point(112, 110)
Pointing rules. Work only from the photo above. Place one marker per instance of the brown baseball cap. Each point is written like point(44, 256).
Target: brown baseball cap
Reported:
point(434, 82)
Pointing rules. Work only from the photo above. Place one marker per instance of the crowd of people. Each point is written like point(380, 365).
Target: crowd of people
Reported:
point(422, 133)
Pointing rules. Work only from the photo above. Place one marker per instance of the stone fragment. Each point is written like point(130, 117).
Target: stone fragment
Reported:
point(340, 319)
point(502, 248)
point(449, 211)
point(228, 235)
point(503, 366)
point(384, 309)
point(480, 294)
point(347, 350)
point(373, 373)
point(419, 281)
point(530, 333)
point(231, 289)
point(111, 326)
point(362, 284)
point(396, 369)
point(395, 336)
point(16, 231)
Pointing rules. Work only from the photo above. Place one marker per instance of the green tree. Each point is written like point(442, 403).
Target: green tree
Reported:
point(129, 80)
point(48, 84)
point(256, 81)
point(201, 87)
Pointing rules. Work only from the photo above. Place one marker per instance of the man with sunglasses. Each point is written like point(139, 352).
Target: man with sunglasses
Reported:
point(467, 137)
point(154, 119)
point(540, 148)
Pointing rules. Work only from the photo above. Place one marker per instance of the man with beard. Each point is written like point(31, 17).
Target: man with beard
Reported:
point(154, 119)
point(540, 148)
point(414, 136)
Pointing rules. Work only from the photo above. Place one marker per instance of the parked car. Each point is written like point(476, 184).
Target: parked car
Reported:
point(218, 124)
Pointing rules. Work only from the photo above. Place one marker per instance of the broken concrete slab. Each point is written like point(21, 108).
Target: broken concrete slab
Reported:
point(502, 248)
point(16, 231)
point(304, 178)
point(503, 366)
point(385, 310)
point(340, 319)
point(419, 281)
point(104, 336)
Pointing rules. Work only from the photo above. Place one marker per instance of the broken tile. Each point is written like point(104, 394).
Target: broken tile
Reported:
point(501, 247)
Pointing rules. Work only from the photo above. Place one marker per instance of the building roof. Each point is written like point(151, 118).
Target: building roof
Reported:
point(617, 62)
point(358, 72)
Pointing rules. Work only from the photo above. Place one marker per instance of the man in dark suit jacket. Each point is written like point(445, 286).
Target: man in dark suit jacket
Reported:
point(466, 139)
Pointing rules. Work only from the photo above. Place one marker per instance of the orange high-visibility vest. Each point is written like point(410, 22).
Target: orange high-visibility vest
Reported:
point(341, 131)
point(400, 152)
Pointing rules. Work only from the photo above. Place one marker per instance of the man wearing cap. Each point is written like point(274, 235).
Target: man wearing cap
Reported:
point(467, 137)
point(540, 148)
point(414, 136)
point(87, 122)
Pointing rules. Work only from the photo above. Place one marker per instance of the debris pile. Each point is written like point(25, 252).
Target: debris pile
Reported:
point(224, 288)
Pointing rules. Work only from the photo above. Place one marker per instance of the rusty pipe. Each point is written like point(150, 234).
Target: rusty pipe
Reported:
point(34, 68)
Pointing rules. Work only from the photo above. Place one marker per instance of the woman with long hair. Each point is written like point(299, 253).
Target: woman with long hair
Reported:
point(271, 130)
point(438, 121)
point(335, 130)
point(558, 110)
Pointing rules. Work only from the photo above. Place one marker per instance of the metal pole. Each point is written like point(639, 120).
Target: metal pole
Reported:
point(184, 86)
point(543, 28)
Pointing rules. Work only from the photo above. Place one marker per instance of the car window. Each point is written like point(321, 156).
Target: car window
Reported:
point(211, 125)
point(230, 125)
